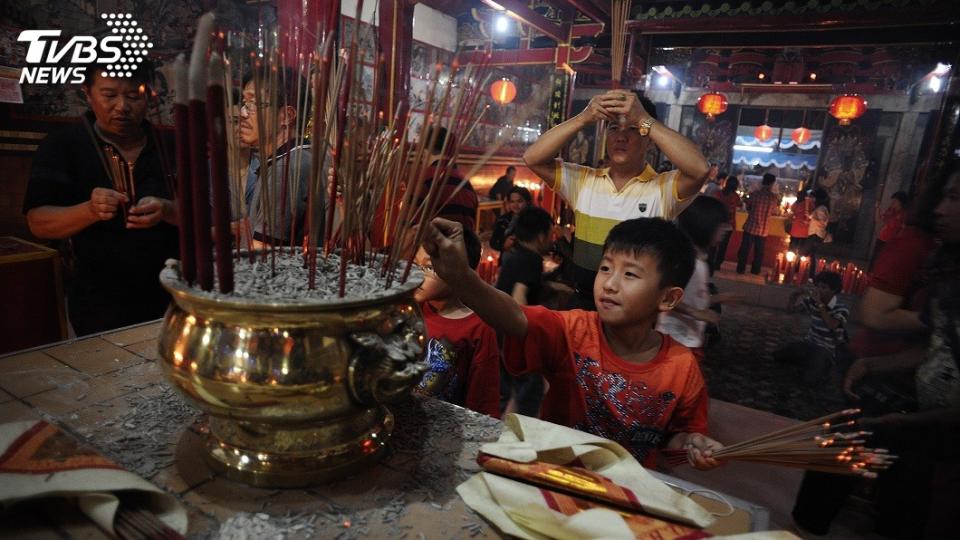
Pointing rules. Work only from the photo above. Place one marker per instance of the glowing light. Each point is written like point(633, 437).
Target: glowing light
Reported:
point(761, 75)
point(763, 133)
point(847, 107)
point(663, 81)
point(791, 256)
point(502, 24)
point(503, 91)
point(813, 76)
point(941, 69)
point(712, 104)
point(935, 84)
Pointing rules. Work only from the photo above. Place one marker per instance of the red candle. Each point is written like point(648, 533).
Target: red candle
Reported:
point(821, 265)
point(217, 134)
point(188, 268)
point(803, 270)
point(198, 152)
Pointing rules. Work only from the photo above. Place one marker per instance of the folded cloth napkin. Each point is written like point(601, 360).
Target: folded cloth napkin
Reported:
point(530, 512)
point(38, 460)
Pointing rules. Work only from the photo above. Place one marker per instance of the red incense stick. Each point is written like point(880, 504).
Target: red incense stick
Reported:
point(198, 152)
point(217, 135)
point(188, 268)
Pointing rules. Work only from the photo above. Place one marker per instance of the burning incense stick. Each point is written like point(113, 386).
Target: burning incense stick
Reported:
point(822, 444)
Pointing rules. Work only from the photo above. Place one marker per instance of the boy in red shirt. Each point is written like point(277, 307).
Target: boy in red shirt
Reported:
point(462, 351)
point(610, 372)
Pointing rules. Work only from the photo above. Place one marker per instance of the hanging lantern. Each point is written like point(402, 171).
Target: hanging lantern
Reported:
point(503, 91)
point(763, 133)
point(712, 104)
point(801, 135)
point(847, 107)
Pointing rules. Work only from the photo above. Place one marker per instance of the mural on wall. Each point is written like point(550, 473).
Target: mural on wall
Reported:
point(716, 137)
point(844, 171)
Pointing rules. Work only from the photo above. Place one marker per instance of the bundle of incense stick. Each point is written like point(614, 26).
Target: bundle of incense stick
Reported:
point(121, 175)
point(830, 443)
point(619, 11)
point(366, 163)
point(135, 523)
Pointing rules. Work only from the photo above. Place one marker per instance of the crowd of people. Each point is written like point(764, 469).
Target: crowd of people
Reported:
point(621, 358)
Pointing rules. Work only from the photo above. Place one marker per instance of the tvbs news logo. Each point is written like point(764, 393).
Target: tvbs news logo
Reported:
point(121, 52)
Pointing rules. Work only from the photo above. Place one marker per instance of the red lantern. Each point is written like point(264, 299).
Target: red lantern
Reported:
point(847, 107)
point(712, 104)
point(801, 135)
point(763, 133)
point(503, 91)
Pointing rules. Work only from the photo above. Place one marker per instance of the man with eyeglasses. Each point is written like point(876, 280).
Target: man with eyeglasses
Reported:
point(277, 183)
point(102, 184)
point(628, 187)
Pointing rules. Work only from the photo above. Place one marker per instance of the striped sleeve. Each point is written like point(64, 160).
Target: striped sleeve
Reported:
point(569, 181)
point(670, 194)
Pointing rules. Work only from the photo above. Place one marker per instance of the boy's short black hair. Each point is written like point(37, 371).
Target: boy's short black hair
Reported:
point(511, 168)
point(524, 192)
point(830, 279)
point(702, 219)
point(530, 223)
point(472, 243)
point(902, 197)
point(768, 179)
point(659, 238)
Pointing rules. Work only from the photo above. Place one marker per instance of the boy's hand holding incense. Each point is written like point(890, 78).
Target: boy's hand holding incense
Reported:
point(150, 211)
point(105, 202)
point(699, 448)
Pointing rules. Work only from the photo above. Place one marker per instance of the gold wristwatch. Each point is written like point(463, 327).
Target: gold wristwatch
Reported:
point(645, 125)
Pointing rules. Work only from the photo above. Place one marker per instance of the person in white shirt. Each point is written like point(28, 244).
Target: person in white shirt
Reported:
point(705, 222)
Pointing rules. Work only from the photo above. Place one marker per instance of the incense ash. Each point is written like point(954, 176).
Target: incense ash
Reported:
point(284, 281)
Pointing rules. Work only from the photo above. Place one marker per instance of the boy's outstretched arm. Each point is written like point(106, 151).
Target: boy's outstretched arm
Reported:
point(444, 242)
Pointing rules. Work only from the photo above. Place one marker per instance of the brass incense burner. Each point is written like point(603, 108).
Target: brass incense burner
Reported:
point(295, 393)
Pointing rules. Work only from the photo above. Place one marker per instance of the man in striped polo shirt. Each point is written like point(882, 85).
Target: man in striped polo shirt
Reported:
point(629, 188)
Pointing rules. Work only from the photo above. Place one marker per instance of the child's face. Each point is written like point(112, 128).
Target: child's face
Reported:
point(516, 203)
point(627, 289)
point(825, 292)
point(432, 288)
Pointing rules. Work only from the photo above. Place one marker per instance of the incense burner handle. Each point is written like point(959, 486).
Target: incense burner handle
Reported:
point(386, 365)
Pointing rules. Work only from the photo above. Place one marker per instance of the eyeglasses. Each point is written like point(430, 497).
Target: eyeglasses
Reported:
point(250, 106)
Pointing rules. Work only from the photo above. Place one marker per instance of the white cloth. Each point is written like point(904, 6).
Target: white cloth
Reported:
point(686, 330)
point(519, 510)
point(41, 461)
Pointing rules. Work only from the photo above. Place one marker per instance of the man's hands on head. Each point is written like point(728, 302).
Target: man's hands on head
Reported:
point(615, 104)
point(105, 202)
point(443, 241)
